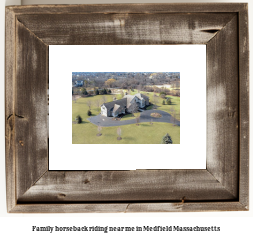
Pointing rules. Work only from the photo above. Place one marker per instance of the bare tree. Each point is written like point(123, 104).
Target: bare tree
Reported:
point(172, 111)
point(139, 87)
point(137, 118)
point(89, 103)
point(97, 104)
point(74, 98)
point(155, 101)
point(104, 99)
point(119, 132)
point(99, 130)
point(122, 93)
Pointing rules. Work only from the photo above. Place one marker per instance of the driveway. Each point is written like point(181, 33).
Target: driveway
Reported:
point(145, 117)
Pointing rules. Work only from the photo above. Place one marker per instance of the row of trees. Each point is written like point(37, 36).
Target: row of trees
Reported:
point(84, 92)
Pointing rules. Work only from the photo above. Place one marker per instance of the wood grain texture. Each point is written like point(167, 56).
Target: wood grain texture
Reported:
point(154, 8)
point(244, 106)
point(129, 207)
point(30, 108)
point(9, 109)
point(223, 186)
point(222, 107)
point(125, 29)
point(139, 185)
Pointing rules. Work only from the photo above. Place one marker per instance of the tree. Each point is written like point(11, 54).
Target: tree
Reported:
point(96, 92)
point(163, 102)
point(110, 82)
point(167, 139)
point(119, 132)
point(137, 118)
point(168, 101)
point(155, 100)
point(83, 91)
point(105, 92)
point(109, 91)
point(122, 93)
point(104, 99)
point(89, 113)
point(162, 95)
point(139, 88)
point(172, 111)
point(97, 103)
point(79, 119)
point(89, 103)
point(99, 131)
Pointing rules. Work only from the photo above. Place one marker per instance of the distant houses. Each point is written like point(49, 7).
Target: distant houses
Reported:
point(128, 104)
point(78, 83)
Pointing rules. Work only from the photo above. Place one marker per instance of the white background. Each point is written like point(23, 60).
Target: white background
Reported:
point(233, 224)
point(189, 154)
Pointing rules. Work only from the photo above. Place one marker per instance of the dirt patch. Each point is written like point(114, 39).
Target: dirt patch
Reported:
point(116, 118)
point(156, 115)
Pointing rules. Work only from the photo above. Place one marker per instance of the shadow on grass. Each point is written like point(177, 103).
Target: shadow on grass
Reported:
point(83, 122)
point(145, 125)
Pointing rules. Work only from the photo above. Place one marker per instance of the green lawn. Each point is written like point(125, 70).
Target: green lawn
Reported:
point(145, 133)
point(86, 133)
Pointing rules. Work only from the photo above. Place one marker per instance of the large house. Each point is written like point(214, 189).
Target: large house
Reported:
point(128, 104)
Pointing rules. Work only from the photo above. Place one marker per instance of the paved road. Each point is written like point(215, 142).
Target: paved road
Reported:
point(145, 117)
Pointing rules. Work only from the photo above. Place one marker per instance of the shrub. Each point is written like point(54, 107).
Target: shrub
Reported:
point(109, 91)
point(79, 119)
point(167, 139)
point(163, 102)
point(89, 113)
point(96, 92)
point(168, 101)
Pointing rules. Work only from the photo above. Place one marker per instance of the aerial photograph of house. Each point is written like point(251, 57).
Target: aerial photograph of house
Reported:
point(126, 108)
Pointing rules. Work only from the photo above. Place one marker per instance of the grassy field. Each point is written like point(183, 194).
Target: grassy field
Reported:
point(85, 133)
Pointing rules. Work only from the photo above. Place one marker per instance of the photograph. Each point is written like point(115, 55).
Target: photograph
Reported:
point(125, 107)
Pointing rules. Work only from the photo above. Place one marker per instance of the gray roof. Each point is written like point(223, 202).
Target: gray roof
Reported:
point(122, 102)
point(129, 99)
point(140, 96)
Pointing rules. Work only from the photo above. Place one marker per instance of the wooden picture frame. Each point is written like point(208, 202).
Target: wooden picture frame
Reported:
point(222, 186)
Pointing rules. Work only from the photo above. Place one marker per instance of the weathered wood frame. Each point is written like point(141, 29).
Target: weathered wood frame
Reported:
point(222, 186)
